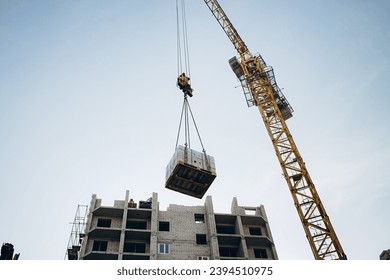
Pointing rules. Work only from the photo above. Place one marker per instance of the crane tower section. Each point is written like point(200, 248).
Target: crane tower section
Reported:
point(260, 89)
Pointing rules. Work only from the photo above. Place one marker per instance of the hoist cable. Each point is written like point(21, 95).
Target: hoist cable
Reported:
point(188, 138)
point(180, 123)
point(196, 127)
point(185, 39)
point(185, 112)
point(178, 43)
point(183, 57)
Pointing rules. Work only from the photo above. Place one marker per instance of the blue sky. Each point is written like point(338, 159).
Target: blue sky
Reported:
point(88, 104)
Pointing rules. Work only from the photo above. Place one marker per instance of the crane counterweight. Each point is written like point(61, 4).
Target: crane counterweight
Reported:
point(268, 73)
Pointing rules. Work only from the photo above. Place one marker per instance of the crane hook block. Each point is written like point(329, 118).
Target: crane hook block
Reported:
point(190, 172)
point(183, 82)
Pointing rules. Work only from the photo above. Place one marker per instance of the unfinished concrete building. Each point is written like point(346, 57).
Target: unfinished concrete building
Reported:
point(141, 231)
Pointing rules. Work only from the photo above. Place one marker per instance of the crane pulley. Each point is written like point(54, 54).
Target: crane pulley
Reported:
point(260, 89)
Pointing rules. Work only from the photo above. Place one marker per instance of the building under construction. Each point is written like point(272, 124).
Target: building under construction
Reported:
point(131, 230)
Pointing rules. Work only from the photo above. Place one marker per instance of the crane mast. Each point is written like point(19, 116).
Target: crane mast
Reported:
point(260, 89)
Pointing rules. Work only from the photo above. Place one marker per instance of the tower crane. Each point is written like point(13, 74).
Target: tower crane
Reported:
point(260, 89)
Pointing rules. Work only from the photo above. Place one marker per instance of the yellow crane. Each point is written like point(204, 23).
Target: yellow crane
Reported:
point(260, 89)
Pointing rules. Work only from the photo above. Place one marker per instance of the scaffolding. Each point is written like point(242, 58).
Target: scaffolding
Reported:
point(77, 234)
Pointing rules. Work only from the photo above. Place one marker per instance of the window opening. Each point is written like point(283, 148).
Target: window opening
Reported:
point(260, 253)
point(99, 245)
point(250, 212)
point(134, 248)
point(255, 231)
point(131, 224)
point(163, 226)
point(201, 239)
point(228, 251)
point(226, 229)
point(104, 223)
point(199, 218)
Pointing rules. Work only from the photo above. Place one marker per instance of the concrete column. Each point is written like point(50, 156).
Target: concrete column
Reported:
point(154, 227)
point(123, 226)
point(212, 228)
point(84, 244)
point(273, 249)
point(234, 209)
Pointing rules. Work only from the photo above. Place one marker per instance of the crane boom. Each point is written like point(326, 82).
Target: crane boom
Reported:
point(261, 90)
